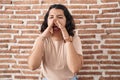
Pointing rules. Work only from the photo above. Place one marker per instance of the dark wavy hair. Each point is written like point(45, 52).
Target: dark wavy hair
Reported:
point(70, 24)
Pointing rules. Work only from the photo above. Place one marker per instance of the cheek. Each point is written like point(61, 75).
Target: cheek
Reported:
point(49, 21)
point(63, 22)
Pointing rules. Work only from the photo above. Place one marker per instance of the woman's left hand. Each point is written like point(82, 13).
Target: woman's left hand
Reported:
point(63, 30)
point(59, 25)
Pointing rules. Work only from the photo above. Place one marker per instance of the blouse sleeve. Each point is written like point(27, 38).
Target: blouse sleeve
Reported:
point(77, 45)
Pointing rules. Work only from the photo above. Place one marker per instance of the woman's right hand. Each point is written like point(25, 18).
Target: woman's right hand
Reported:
point(49, 30)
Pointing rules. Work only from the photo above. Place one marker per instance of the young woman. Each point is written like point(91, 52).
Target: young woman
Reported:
point(57, 49)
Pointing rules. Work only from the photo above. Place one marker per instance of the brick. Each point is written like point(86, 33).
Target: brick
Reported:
point(5, 56)
point(53, 1)
point(95, 46)
point(117, 20)
point(112, 41)
point(9, 51)
point(5, 36)
point(6, 12)
point(25, 42)
point(41, 17)
point(110, 11)
point(95, 68)
point(110, 46)
point(90, 42)
point(82, 16)
point(110, 36)
point(86, 78)
point(110, 67)
point(98, 21)
point(40, 7)
point(8, 31)
point(76, 6)
point(85, 11)
point(11, 21)
point(25, 27)
point(87, 36)
point(7, 41)
point(112, 73)
point(10, 71)
point(90, 73)
point(102, 57)
point(4, 66)
point(5, 1)
point(83, 1)
point(7, 61)
point(22, 62)
point(110, 0)
point(5, 76)
point(19, 67)
point(93, 52)
point(20, 47)
point(23, 17)
point(88, 57)
point(17, 7)
point(111, 31)
point(3, 46)
point(5, 26)
point(26, 77)
point(4, 17)
point(21, 56)
point(26, 2)
point(111, 25)
point(34, 22)
point(30, 32)
point(110, 62)
point(107, 16)
point(26, 52)
point(97, 31)
point(103, 6)
point(109, 78)
point(86, 47)
point(25, 36)
point(90, 26)
point(77, 21)
point(28, 12)
point(115, 57)
point(31, 72)
point(113, 52)
point(91, 62)
point(86, 68)
point(0, 7)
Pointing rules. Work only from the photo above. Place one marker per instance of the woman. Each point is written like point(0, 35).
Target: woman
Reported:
point(57, 49)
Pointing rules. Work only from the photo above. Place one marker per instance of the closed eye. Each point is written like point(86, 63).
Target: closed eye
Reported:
point(50, 17)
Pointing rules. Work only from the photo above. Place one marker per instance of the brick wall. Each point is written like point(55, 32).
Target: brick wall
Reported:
point(97, 23)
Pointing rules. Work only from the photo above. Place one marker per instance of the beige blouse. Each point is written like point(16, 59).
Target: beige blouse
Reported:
point(54, 64)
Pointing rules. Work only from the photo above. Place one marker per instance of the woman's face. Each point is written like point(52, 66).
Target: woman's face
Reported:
point(56, 15)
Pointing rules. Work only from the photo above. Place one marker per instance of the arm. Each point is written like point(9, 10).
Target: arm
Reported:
point(37, 53)
point(74, 60)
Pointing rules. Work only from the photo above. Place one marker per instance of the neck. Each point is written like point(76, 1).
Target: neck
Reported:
point(57, 36)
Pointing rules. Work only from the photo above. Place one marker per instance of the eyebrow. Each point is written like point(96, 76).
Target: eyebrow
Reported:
point(57, 15)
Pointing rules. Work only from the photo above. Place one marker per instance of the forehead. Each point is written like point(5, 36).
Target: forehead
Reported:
point(56, 12)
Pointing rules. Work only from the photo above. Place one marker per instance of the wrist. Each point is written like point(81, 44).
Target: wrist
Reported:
point(63, 29)
point(69, 39)
point(42, 37)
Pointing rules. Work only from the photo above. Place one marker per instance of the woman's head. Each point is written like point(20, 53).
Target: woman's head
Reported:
point(67, 19)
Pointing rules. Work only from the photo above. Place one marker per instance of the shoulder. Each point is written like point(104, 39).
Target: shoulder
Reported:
point(76, 38)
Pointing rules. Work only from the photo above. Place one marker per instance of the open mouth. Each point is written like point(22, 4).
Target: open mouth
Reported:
point(55, 28)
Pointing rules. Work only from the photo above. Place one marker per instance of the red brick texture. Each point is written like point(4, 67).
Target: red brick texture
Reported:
point(97, 23)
